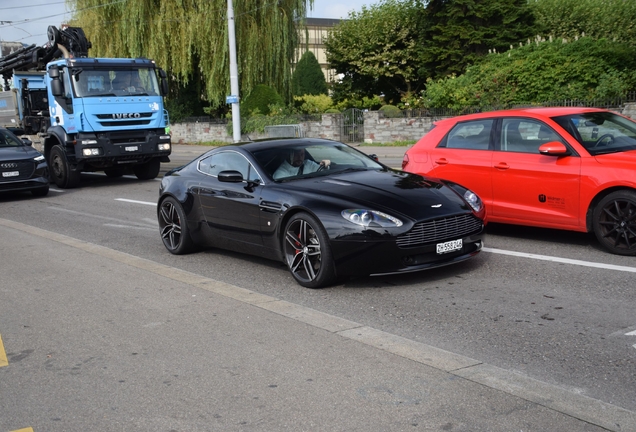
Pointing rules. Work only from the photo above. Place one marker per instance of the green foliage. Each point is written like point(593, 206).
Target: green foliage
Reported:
point(310, 104)
point(369, 103)
point(184, 36)
point(391, 111)
point(610, 19)
point(259, 101)
point(308, 78)
point(378, 50)
point(460, 32)
point(540, 72)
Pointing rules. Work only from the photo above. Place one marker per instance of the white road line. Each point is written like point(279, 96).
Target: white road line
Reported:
point(561, 260)
point(56, 190)
point(129, 226)
point(631, 333)
point(136, 202)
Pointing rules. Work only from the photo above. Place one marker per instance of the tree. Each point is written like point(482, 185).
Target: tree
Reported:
point(184, 36)
point(611, 19)
point(541, 72)
point(308, 78)
point(260, 100)
point(459, 32)
point(378, 51)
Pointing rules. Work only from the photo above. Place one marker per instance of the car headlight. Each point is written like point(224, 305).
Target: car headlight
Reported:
point(38, 158)
point(469, 196)
point(372, 218)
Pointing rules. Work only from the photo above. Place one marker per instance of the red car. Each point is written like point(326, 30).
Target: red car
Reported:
point(564, 168)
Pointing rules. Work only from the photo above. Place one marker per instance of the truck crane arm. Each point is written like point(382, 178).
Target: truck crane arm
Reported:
point(68, 42)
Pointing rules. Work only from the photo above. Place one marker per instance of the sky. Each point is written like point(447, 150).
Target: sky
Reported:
point(27, 23)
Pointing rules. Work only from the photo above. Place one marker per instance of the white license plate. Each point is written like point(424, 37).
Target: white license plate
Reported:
point(131, 148)
point(11, 174)
point(449, 246)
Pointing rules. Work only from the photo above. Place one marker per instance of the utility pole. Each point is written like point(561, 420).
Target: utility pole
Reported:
point(234, 83)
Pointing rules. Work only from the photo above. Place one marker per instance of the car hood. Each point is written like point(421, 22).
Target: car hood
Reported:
point(392, 191)
point(17, 153)
point(617, 158)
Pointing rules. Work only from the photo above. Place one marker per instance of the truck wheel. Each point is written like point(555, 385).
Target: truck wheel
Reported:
point(148, 170)
point(61, 172)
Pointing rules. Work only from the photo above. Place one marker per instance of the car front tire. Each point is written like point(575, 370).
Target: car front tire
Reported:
point(614, 222)
point(307, 252)
point(173, 226)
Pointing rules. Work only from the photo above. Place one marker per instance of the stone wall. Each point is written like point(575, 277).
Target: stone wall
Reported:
point(377, 129)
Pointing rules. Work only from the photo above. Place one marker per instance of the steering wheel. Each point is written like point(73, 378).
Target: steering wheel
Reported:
point(322, 167)
point(608, 137)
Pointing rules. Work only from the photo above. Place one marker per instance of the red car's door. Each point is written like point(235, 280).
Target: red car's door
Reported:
point(529, 187)
point(465, 157)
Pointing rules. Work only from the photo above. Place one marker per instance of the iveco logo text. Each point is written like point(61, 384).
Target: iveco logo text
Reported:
point(9, 165)
point(126, 115)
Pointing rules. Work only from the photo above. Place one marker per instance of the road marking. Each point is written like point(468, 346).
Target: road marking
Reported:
point(24, 430)
point(56, 190)
point(129, 226)
point(136, 202)
point(593, 411)
point(561, 260)
point(3, 355)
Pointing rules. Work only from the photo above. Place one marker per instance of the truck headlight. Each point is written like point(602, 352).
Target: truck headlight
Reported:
point(91, 151)
point(163, 147)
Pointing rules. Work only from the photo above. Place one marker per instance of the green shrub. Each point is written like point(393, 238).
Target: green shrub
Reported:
point(391, 111)
point(259, 101)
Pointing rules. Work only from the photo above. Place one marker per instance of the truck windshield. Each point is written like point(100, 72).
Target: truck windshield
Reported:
point(114, 82)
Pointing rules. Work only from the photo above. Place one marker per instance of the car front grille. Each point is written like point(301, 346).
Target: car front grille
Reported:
point(437, 230)
point(25, 168)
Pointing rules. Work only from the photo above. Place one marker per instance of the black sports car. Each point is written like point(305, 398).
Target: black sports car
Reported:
point(22, 168)
point(320, 206)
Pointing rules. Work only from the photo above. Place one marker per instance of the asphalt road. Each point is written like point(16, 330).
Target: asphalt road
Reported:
point(548, 308)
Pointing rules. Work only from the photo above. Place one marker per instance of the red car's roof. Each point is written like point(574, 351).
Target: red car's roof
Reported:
point(544, 112)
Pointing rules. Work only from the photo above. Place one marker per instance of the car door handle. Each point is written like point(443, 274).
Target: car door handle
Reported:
point(441, 161)
point(502, 166)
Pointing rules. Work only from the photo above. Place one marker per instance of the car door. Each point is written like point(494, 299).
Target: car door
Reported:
point(464, 156)
point(531, 187)
point(231, 210)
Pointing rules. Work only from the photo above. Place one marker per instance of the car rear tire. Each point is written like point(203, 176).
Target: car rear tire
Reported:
point(614, 222)
point(61, 172)
point(148, 170)
point(307, 252)
point(173, 227)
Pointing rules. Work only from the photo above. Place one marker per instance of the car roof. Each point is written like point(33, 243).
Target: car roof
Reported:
point(526, 112)
point(271, 143)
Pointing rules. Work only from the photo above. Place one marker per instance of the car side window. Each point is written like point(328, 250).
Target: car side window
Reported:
point(472, 135)
point(229, 160)
point(525, 135)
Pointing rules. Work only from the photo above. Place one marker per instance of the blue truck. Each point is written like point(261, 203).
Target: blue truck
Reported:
point(91, 114)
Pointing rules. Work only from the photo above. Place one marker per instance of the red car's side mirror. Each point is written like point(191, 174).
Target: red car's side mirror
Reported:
point(554, 148)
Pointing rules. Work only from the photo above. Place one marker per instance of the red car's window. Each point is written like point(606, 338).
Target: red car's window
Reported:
point(472, 135)
point(600, 132)
point(525, 135)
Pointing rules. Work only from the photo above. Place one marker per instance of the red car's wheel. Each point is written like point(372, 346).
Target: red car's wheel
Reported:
point(615, 222)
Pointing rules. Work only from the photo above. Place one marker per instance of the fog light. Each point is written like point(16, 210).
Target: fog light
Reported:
point(164, 137)
point(163, 147)
point(91, 152)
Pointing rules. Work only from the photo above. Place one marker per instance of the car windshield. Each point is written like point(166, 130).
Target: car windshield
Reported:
point(114, 82)
point(7, 139)
point(600, 132)
point(280, 164)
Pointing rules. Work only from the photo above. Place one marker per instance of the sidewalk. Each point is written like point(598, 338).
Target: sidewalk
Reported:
point(146, 346)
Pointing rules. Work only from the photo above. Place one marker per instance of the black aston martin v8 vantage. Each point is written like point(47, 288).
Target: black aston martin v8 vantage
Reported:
point(322, 207)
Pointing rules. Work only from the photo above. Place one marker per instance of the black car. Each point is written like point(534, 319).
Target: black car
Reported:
point(22, 168)
point(341, 214)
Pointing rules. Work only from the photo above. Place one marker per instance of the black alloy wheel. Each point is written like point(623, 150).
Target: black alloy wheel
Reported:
point(174, 227)
point(615, 222)
point(307, 252)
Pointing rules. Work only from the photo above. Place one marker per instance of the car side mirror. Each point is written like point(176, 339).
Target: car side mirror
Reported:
point(374, 157)
point(27, 142)
point(230, 176)
point(554, 148)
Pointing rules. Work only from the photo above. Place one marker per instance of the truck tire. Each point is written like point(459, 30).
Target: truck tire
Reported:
point(148, 170)
point(60, 169)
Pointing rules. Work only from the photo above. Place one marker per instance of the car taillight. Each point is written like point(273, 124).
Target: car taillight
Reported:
point(405, 161)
